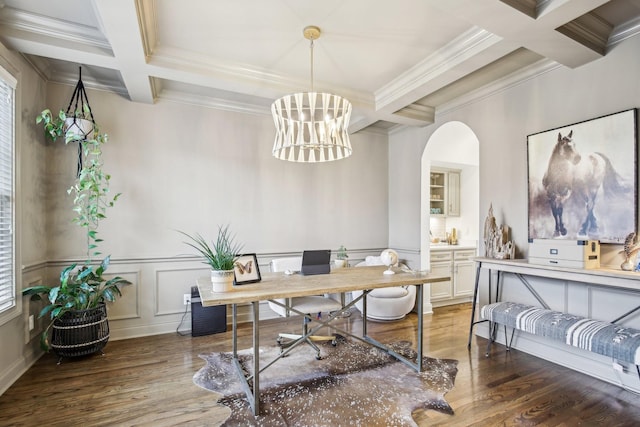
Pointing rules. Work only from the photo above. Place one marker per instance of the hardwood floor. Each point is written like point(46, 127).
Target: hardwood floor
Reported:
point(148, 381)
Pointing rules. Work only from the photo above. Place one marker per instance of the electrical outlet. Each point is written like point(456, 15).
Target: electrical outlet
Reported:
point(32, 322)
point(186, 299)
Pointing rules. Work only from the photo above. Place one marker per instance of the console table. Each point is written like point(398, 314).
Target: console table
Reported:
point(521, 268)
point(281, 286)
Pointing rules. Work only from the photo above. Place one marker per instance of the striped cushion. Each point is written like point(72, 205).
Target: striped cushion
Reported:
point(616, 341)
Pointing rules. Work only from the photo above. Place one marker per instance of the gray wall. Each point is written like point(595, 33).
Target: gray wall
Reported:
point(502, 121)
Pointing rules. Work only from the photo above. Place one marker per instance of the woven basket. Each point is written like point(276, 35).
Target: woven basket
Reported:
point(81, 332)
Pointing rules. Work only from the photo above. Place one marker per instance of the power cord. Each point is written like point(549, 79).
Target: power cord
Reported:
point(186, 310)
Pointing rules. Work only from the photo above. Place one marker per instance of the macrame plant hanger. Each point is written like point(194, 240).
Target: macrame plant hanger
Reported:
point(80, 121)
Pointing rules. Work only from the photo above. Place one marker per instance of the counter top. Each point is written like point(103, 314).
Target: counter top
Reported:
point(445, 247)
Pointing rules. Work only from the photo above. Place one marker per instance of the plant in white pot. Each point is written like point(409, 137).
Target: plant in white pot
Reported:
point(221, 256)
point(341, 257)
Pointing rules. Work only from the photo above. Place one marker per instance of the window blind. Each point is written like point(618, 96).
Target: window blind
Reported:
point(7, 199)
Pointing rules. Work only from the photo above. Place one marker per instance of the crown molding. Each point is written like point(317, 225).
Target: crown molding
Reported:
point(624, 31)
point(201, 70)
point(49, 27)
point(514, 79)
point(212, 102)
point(147, 21)
point(468, 44)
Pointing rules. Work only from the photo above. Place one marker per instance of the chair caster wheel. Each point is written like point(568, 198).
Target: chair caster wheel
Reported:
point(318, 357)
point(334, 343)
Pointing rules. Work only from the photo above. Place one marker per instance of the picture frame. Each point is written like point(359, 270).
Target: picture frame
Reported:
point(246, 270)
point(582, 180)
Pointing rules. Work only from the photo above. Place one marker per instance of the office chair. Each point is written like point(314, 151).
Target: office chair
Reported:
point(311, 305)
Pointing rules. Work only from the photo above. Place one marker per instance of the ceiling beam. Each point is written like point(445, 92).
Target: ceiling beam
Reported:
point(122, 27)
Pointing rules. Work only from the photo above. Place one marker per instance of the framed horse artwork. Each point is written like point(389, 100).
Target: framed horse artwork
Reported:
point(583, 180)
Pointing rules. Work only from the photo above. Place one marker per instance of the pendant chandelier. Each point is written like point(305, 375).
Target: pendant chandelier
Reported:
point(311, 127)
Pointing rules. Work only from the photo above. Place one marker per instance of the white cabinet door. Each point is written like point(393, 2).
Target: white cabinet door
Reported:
point(453, 193)
point(464, 278)
point(441, 290)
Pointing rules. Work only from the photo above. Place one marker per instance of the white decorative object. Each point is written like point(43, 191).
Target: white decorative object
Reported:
point(389, 257)
point(631, 247)
point(496, 239)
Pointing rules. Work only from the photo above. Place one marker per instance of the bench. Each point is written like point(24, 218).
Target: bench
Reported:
point(608, 339)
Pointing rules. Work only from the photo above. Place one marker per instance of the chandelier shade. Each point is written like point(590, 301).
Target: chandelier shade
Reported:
point(311, 127)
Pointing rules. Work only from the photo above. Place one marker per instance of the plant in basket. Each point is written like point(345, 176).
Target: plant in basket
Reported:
point(81, 294)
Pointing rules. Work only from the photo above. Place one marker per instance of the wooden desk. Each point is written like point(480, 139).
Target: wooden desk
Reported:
point(279, 285)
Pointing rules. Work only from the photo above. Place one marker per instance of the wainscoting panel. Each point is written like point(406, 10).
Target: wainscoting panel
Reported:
point(32, 308)
point(128, 306)
point(153, 304)
point(609, 304)
point(172, 284)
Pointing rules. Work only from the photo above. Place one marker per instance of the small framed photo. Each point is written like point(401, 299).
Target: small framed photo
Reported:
point(246, 270)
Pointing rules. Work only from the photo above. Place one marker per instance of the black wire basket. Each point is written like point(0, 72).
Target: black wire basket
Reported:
point(80, 333)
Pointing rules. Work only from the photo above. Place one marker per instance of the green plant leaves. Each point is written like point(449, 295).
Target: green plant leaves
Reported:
point(224, 252)
point(79, 289)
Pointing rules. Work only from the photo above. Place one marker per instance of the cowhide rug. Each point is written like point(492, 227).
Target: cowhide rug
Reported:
point(353, 385)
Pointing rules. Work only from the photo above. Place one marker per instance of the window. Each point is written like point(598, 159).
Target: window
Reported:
point(7, 196)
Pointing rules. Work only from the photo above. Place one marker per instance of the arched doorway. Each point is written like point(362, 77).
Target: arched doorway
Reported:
point(452, 147)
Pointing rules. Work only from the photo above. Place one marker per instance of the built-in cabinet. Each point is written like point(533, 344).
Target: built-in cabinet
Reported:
point(445, 192)
point(459, 265)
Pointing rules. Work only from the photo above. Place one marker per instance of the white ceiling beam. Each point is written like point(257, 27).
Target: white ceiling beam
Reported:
point(121, 25)
point(469, 52)
point(538, 35)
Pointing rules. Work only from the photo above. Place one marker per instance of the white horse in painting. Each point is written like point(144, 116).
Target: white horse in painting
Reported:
point(570, 174)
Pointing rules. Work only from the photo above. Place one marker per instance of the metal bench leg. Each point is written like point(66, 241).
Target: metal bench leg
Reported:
point(491, 337)
point(513, 331)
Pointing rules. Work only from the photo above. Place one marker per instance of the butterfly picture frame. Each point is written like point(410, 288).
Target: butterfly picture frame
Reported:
point(246, 270)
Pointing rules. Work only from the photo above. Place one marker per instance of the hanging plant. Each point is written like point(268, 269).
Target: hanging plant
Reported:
point(91, 188)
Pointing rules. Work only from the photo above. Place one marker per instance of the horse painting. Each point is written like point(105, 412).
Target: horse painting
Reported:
point(580, 177)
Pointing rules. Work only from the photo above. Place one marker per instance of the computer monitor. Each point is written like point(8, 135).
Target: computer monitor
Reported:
point(316, 262)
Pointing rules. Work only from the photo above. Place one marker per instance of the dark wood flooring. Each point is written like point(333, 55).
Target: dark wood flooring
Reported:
point(148, 381)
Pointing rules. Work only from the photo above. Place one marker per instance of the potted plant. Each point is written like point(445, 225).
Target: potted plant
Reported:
point(341, 257)
point(91, 187)
point(77, 309)
point(76, 127)
point(220, 256)
point(80, 297)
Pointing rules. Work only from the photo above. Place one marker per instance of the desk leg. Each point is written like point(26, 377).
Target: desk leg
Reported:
point(364, 316)
point(234, 326)
point(256, 357)
point(473, 305)
point(420, 326)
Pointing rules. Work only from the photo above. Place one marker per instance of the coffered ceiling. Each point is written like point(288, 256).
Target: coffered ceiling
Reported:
point(399, 62)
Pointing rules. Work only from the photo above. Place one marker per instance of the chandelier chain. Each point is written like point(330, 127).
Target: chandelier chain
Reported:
point(311, 68)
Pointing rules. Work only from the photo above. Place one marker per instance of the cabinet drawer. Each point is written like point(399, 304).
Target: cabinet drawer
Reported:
point(441, 256)
point(464, 254)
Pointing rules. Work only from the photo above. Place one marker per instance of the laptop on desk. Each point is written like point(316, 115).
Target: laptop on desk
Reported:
point(315, 262)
